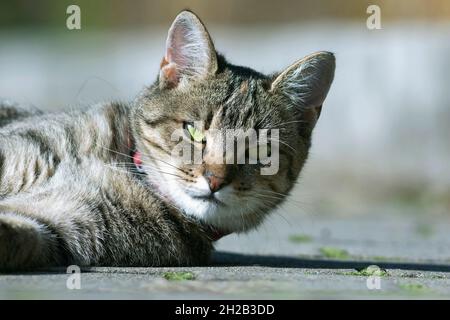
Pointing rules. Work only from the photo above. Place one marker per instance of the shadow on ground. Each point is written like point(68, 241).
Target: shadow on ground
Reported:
point(229, 259)
point(235, 259)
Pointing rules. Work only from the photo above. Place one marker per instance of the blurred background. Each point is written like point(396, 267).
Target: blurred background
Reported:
point(382, 146)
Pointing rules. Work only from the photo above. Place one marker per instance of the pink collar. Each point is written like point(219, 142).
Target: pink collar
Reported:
point(137, 160)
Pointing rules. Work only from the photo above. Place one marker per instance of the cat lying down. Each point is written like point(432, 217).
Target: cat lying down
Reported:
point(111, 186)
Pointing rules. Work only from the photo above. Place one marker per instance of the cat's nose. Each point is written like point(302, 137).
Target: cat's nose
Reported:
point(214, 182)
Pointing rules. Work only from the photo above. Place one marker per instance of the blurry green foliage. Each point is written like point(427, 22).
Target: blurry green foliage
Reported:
point(117, 13)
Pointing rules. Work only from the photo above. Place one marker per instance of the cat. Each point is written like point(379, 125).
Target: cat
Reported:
point(101, 186)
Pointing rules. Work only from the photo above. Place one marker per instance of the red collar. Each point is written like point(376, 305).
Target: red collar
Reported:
point(136, 155)
point(137, 159)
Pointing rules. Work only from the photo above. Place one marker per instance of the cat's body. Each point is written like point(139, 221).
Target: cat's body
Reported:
point(74, 191)
point(62, 200)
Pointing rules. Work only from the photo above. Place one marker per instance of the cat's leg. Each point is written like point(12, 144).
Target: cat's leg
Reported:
point(95, 216)
point(25, 243)
point(48, 227)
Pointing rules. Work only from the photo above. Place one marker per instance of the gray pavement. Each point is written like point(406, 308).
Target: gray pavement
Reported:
point(297, 256)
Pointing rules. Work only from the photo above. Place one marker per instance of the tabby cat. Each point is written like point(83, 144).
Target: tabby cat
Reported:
point(101, 187)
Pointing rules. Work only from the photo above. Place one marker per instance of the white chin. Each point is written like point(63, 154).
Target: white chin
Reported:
point(225, 217)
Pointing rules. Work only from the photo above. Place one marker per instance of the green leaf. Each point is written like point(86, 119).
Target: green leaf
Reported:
point(179, 276)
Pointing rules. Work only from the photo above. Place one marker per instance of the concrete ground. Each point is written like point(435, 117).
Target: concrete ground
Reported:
point(288, 258)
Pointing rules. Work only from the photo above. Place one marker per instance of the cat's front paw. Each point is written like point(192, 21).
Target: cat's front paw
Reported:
point(21, 242)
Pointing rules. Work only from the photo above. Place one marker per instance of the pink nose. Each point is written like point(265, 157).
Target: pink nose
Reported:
point(214, 182)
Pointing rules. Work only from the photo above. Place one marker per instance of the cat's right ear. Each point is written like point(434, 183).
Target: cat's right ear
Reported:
point(190, 53)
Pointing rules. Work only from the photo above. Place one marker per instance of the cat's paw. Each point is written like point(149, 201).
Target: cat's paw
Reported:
point(20, 242)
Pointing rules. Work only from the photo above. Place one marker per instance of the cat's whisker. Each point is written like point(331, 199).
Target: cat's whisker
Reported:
point(117, 152)
point(111, 167)
point(285, 196)
point(154, 158)
point(270, 191)
point(282, 216)
point(297, 204)
point(268, 196)
point(168, 163)
point(115, 167)
point(163, 172)
point(270, 203)
point(275, 126)
point(284, 143)
point(260, 122)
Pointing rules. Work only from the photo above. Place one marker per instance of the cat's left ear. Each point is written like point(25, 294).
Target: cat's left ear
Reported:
point(306, 84)
point(190, 53)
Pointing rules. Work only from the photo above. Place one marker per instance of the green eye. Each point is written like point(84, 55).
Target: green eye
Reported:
point(196, 134)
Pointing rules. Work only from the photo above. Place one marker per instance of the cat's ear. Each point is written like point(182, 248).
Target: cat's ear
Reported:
point(190, 53)
point(306, 83)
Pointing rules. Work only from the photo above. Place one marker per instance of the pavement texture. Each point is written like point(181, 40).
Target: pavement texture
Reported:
point(290, 257)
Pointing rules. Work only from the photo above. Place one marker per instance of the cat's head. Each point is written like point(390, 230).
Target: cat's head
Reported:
point(201, 96)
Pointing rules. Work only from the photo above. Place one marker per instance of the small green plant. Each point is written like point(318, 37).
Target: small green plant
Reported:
point(369, 271)
point(300, 238)
point(334, 253)
point(179, 276)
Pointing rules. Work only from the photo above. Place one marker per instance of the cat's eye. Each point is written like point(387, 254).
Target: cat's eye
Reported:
point(196, 134)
